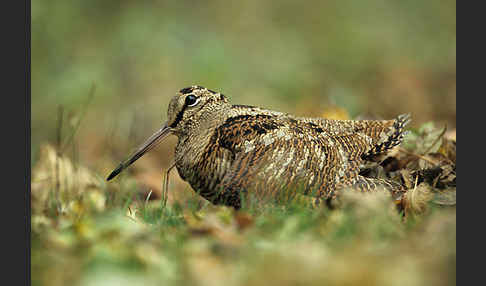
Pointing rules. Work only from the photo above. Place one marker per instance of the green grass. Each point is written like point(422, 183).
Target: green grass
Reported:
point(364, 241)
point(378, 58)
point(85, 231)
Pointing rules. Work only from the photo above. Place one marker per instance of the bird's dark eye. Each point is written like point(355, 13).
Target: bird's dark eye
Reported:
point(191, 100)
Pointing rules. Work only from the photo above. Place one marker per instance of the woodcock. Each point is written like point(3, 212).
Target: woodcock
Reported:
point(226, 152)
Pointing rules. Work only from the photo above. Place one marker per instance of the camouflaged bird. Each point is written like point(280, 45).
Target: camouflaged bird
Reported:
point(228, 151)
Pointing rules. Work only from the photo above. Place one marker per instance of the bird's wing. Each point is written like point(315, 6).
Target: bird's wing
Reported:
point(383, 134)
point(271, 155)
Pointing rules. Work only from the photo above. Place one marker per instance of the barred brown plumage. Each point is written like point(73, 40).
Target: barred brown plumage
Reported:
point(226, 152)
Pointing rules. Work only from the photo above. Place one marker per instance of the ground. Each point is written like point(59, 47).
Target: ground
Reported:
point(88, 232)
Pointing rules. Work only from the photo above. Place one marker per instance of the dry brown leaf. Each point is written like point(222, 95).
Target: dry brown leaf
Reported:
point(57, 175)
point(216, 221)
point(243, 220)
point(450, 135)
point(445, 197)
point(416, 199)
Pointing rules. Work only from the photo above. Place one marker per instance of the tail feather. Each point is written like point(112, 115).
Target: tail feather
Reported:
point(392, 138)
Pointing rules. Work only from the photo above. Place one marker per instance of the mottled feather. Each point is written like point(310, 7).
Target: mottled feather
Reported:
point(228, 152)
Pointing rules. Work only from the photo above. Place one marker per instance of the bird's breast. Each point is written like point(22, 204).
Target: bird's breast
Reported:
point(203, 166)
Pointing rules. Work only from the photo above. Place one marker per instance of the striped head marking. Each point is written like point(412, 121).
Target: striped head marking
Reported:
point(187, 110)
point(193, 104)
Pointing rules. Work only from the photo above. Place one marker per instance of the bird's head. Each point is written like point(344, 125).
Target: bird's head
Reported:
point(192, 108)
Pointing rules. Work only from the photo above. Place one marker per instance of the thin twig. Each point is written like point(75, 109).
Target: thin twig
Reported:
point(148, 197)
point(83, 113)
point(58, 155)
point(436, 140)
point(418, 156)
point(414, 189)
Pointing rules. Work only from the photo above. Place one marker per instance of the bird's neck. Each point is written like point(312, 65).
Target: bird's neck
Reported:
point(195, 139)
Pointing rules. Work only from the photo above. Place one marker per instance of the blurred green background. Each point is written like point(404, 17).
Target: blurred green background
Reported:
point(370, 58)
point(379, 58)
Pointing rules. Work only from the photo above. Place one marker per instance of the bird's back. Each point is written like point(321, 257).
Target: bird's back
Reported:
point(262, 152)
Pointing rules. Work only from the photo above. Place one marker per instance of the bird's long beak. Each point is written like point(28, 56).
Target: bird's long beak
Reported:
point(148, 145)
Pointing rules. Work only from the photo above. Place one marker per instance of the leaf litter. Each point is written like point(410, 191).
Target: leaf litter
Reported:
point(103, 229)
